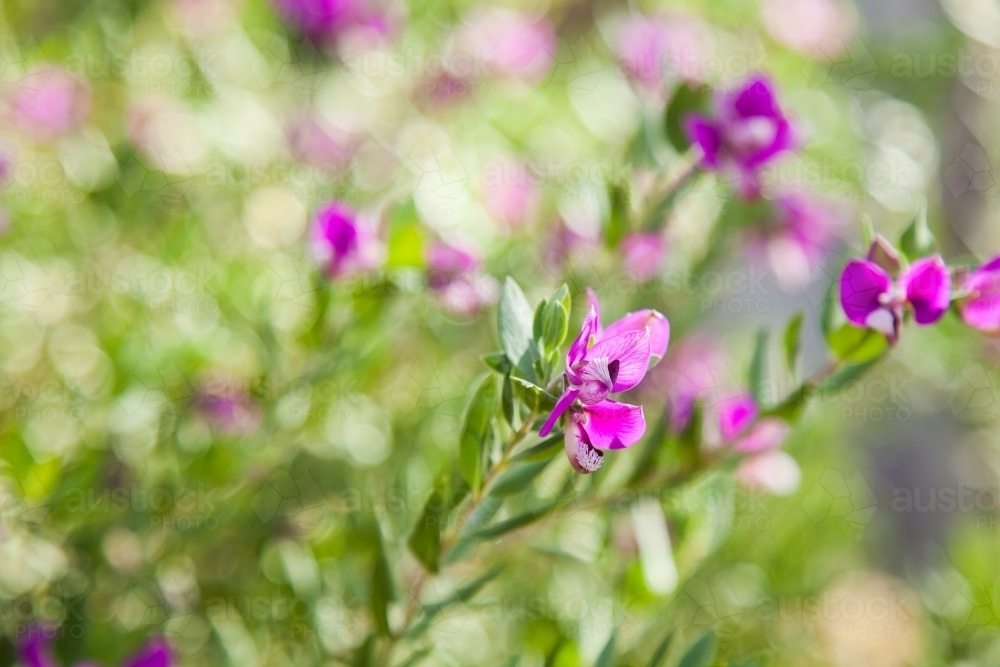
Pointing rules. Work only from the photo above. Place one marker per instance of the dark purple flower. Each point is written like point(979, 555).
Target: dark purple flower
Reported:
point(872, 298)
point(342, 243)
point(747, 131)
point(980, 307)
point(34, 651)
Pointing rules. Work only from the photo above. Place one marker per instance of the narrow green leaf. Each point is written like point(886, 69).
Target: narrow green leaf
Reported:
point(758, 367)
point(543, 451)
point(477, 431)
point(363, 654)
point(498, 361)
point(660, 654)
point(701, 653)
point(555, 325)
point(618, 219)
point(416, 657)
point(607, 656)
point(533, 396)
point(461, 594)
point(848, 374)
point(519, 521)
point(684, 101)
point(538, 321)
point(918, 240)
point(515, 325)
point(517, 478)
point(791, 408)
point(867, 231)
point(381, 588)
point(509, 404)
point(425, 541)
point(793, 341)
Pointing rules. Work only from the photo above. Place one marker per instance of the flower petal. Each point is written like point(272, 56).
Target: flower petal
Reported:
point(560, 407)
point(861, 284)
point(582, 456)
point(706, 135)
point(596, 305)
point(765, 435)
point(613, 425)
point(982, 309)
point(156, 653)
point(578, 350)
point(774, 472)
point(631, 350)
point(735, 414)
point(756, 98)
point(927, 286)
point(659, 329)
point(34, 651)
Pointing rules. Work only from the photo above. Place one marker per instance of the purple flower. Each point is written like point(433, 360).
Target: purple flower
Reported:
point(318, 18)
point(34, 652)
point(980, 307)
point(651, 47)
point(872, 298)
point(694, 370)
point(747, 131)
point(740, 428)
point(342, 243)
point(456, 277)
point(642, 254)
point(51, 103)
point(229, 408)
point(797, 238)
point(315, 142)
point(601, 362)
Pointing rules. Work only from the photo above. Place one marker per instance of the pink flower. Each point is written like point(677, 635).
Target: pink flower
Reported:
point(51, 103)
point(342, 243)
point(747, 131)
point(981, 307)
point(509, 192)
point(510, 43)
point(314, 142)
point(601, 362)
point(456, 276)
point(318, 18)
point(642, 254)
point(774, 472)
point(229, 408)
point(795, 240)
point(651, 48)
point(822, 27)
point(34, 652)
point(740, 428)
point(872, 298)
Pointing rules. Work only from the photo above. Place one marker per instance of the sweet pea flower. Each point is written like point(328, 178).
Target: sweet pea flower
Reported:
point(797, 237)
point(740, 428)
point(456, 277)
point(747, 131)
point(642, 254)
point(872, 297)
point(342, 243)
point(600, 362)
point(51, 103)
point(980, 307)
point(34, 652)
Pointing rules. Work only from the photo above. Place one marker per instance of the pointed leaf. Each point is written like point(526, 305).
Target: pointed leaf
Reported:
point(519, 521)
point(543, 451)
point(917, 240)
point(607, 655)
point(381, 588)
point(793, 341)
point(515, 326)
point(425, 541)
point(517, 478)
point(701, 653)
point(685, 100)
point(661, 651)
point(758, 367)
point(536, 398)
point(477, 432)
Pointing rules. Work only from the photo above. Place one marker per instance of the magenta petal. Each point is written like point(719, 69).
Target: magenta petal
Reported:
point(706, 135)
point(631, 351)
point(992, 265)
point(560, 407)
point(927, 286)
point(659, 330)
point(735, 414)
point(613, 425)
point(982, 309)
point(156, 653)
point(756, 98)
point(596, 305)
point(582, 456)
point(861, 285)
point(34, 651)
point(578, 350)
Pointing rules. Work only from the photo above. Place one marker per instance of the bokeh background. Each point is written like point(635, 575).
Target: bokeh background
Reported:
point(205, 438)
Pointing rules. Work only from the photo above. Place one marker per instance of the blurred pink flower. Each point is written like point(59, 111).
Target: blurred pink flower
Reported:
point(653, 49)
point(342, 243)
point(773, 472)
point(816, 27)
point(642, 254)
point(229, 407)
point(456, 277)
point(315, 142)
point(693, 371)
point(510, 43)
point(50, 103)
point(980, 307)
point(740, 428)
point(203, 18)
point(34, 651)
point(509, 192)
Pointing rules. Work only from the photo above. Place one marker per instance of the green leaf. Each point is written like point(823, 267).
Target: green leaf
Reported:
point(477, 431)
point(416, 657)
point(555, 325)
point(618, 220)
point(701, 653)
point(790, 409)
point(543, 451)
point(792, 341)
point(536, 398)
point(519, 521)
point(832, 317)
point(685, 100)
point(498, 361)
point(661, 651)
point(461, 594)
point(363, 654)
point(848, 374)
point(515, 326)
point(758, 367)
point(509, 405)
point(538, 320)
point(381, 589)
point(607, 655)
point(918, 240)
point(867, 231)
point(425, 541)
point(854, 344)
point(517, 478)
